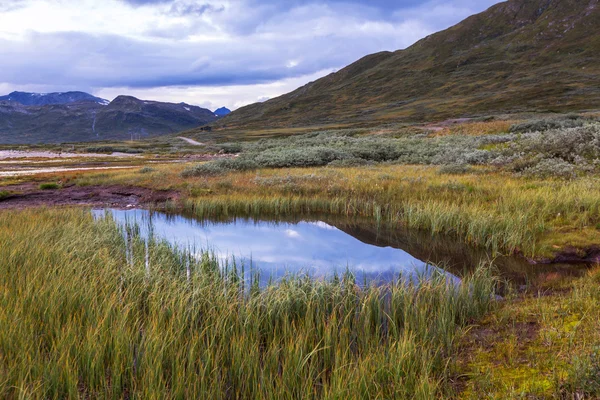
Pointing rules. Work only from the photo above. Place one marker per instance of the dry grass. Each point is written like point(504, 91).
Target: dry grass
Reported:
point(477, 128)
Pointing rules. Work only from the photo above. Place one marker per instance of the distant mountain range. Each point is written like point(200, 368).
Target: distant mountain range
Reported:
point(519, 55)
point(42, 99)
point(223, 111)
point(78, 116)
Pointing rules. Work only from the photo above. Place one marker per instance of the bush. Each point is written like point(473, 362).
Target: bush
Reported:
point(349, 162)
point(552, 168)
point(113, 149)
point(455, 169)
point(4, 194)
point(230, 148)
point(219, 167)
point(146, 170)
point(565, 152)
point(309, 157)
point(49, 186)
point(570, 121)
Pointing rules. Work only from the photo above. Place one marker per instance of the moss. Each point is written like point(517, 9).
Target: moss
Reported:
point(504, 360)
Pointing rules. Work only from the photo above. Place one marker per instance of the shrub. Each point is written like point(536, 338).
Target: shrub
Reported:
point(230, 148)
point(552, 168)
point(349, 162)
point(570, 121)
point(113, 149)
point(455, 169)
point(147, 170)
point(4, 194)
point(49, 186)
point(309, 157)
point(219, 167)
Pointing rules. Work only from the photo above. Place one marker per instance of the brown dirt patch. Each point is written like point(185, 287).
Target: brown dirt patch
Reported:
point(30, 195)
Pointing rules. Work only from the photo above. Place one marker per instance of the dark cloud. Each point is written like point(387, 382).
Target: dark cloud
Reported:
point(256, 42)
point(146, 2)
point(112, 61)
point(194, 9)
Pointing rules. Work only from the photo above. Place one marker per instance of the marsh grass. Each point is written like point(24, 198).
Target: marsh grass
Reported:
point(498, 211)
point(86, 314)
point(49, 186)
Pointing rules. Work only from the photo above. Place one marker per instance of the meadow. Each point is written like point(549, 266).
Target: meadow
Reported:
point(531, 190)
point(83, 317)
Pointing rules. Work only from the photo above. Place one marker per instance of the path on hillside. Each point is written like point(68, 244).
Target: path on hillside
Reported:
point(191, 141)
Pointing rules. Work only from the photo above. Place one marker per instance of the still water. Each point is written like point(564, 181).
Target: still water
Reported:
point(322, 247)
point(276, 249)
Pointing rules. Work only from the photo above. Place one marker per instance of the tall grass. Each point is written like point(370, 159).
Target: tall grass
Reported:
point(82, 317)
point(537, 217)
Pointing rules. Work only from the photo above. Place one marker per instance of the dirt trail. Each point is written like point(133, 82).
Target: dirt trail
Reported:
point(29, 195)
point(18, 154)
point(191, 141)
point(24, 172)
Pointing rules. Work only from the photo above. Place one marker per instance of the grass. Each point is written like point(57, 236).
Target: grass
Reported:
point(499, 211)
point(49, 186)
point(543, 345)
point(80, 318)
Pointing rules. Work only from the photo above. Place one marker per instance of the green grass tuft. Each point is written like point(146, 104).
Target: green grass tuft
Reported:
point(49, 186)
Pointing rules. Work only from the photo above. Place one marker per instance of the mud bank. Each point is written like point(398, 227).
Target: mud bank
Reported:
point(30, 195)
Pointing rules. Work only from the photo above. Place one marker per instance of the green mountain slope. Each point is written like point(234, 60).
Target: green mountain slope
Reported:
point(519, 55)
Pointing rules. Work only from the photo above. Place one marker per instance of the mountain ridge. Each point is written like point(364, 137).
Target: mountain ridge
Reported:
point(223, 111)
point(123, 118)
point(40, 99)
point(519, 55)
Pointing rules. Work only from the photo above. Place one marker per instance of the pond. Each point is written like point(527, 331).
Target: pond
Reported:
point(323, 247)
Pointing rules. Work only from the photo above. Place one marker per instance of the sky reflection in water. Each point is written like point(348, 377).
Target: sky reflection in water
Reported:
point(277, 249)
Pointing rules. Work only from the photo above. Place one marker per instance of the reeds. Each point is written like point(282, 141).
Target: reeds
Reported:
point(537, 217)
point(81, 317)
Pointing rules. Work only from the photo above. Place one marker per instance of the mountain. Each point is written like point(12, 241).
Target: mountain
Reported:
point(519, 55)
point(123, 118)
point(42, 99)
point(223, 111)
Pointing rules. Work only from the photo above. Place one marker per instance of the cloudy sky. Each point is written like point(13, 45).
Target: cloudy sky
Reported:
point(210, 53)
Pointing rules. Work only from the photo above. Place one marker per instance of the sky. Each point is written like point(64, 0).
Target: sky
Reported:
point(210, 53)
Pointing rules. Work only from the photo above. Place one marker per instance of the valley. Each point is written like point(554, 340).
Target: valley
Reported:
point(421, 224)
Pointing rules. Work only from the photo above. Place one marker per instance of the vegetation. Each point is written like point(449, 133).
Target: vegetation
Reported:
point(114, 149)
point(500, 211)
point(543, 345)
point(4, 194)
point(49, 186)
point(84, 316)
point(81, 316)
point(561, 153)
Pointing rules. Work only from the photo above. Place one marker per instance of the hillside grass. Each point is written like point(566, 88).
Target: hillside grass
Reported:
point(81, 316)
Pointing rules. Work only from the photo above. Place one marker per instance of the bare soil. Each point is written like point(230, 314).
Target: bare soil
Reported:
point(18, 154)
point(30, 195)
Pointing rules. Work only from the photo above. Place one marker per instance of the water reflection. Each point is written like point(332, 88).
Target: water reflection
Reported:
point(276, 249)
